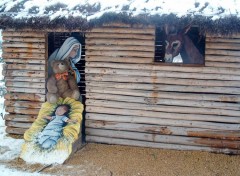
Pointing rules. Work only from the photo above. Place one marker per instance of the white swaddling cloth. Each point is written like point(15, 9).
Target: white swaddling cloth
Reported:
point(63, 52)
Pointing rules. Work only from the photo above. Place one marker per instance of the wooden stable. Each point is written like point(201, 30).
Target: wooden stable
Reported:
point(130, 99)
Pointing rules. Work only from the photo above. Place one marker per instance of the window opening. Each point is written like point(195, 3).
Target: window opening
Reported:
point(184, 46)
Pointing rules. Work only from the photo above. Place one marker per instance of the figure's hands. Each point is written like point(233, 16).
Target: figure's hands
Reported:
point(71, 72)
point(47, 117)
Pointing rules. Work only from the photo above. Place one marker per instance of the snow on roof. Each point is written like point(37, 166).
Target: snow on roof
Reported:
point(30, 11)
point(35, 8)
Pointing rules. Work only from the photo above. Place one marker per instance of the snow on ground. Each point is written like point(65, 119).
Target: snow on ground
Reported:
point(9, 147)
point(12, 172)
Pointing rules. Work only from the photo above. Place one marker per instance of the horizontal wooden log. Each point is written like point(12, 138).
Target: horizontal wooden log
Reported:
point(163, 130)
point(166, 95)
point(24, 39)
point(154, 129)
point(130, 42)
point(119, 59)
point(223, 40)
point(163, 122)
point(12, 130)
point(20, 118)
point(162, 101)
point(218, 58)
point(23, 50)
point(229, 135)
point(25, 96)
point(25, 67)
point(124, 30)
point(18, 124)
point(25, 61)
point(161, 108)
point(221, 64)
point(24, 104)
point(24, 56)
point(25, 79)
point(23, 45)
point(222, 52)
point(168, 88)
point(26, 90)
point(25, 84)
point(176, 116)
point(233, 35)
point(119, 53)
point(99, 139)
point(218, 143)
point(229, 46)
point(164, 138)
point(20, 110)
point(23, 34)
point(160, 80)
point(119, 48)
point(231, 71)
point(38, 74)
point(162, 73)
point(120, 36)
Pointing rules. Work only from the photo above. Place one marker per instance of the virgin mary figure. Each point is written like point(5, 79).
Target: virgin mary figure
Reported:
point(70, 51)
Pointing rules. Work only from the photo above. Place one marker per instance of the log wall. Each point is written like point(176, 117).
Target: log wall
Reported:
point(25, 74)
point(133, 101)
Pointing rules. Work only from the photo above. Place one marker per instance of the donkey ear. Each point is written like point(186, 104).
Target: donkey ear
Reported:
point(186, 29)
point(170, 29)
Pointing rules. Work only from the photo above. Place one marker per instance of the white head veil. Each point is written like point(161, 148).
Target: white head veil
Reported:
point(62, 53)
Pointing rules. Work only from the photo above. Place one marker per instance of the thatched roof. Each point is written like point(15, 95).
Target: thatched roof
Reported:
point(215, 16)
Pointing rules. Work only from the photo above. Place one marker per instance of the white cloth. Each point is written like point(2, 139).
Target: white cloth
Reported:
point(62, 53)
point(178, 59)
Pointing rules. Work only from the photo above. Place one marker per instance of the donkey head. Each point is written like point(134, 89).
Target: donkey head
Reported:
point(174, 42)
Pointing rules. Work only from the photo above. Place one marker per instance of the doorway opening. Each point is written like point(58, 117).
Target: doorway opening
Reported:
point(55, 41)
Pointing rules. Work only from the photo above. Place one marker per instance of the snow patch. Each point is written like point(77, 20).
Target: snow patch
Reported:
point(10, 147)
point(44, 157)
point(8, 172)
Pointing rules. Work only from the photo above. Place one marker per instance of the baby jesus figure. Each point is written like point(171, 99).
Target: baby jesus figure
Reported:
point(53, 130)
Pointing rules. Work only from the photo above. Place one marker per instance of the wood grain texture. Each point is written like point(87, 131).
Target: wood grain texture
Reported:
point(163, 122)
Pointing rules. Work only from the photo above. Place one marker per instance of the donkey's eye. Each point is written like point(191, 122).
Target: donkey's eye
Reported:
point(175, 45)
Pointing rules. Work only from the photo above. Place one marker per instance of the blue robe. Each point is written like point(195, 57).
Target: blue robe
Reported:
point(52, 132)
